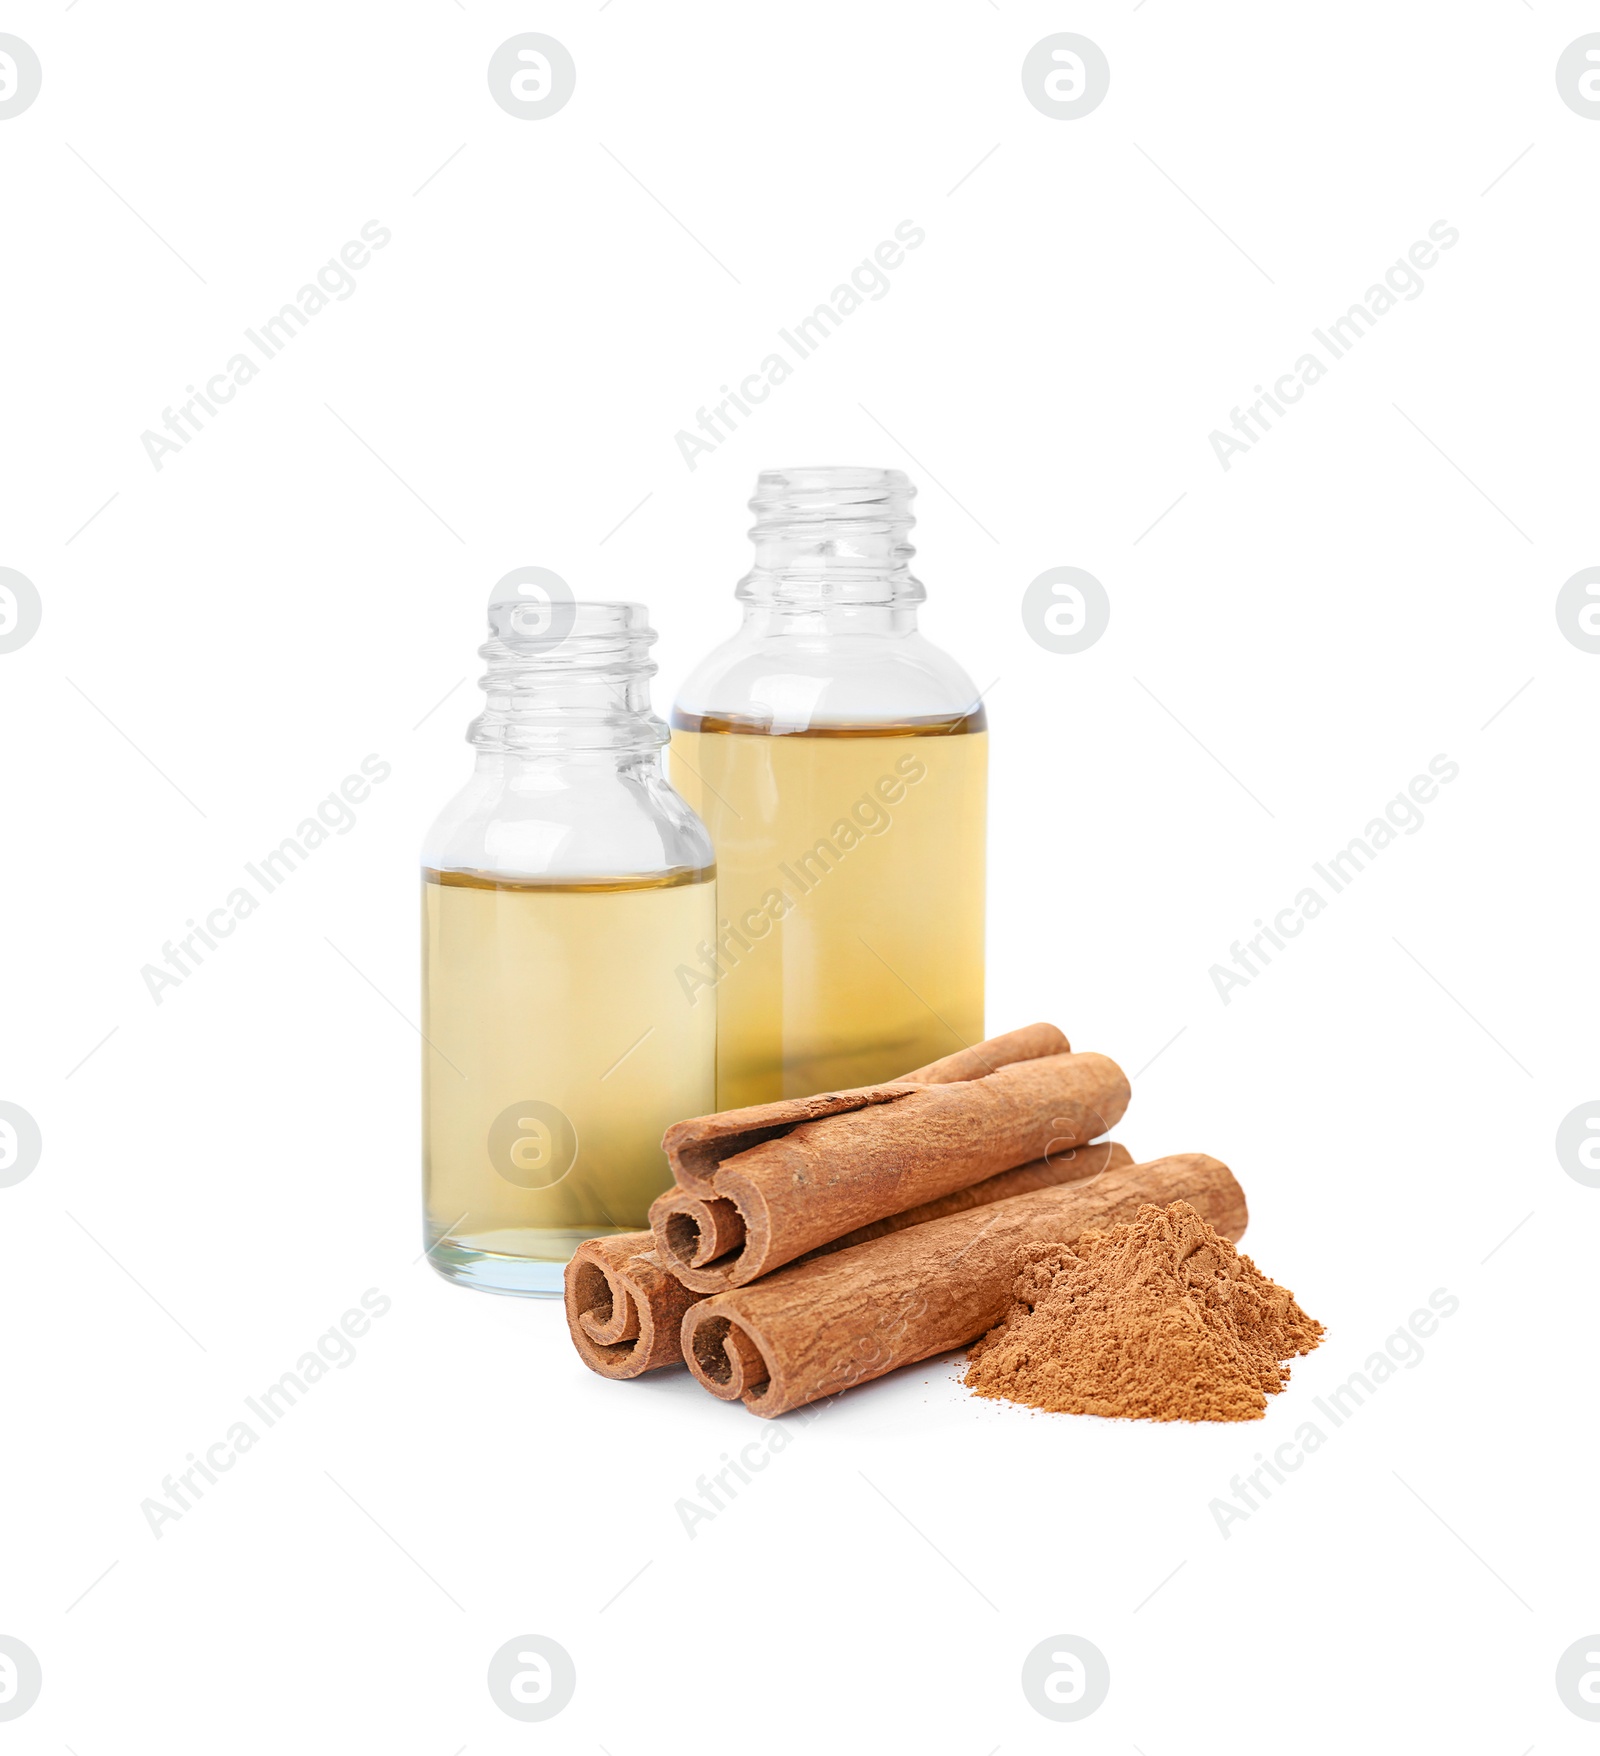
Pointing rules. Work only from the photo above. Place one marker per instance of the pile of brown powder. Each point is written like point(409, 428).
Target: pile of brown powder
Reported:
point(1161, 1320)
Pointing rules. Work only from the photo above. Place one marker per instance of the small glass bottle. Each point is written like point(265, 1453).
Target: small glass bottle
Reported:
point(564, 890)
point(840, 761)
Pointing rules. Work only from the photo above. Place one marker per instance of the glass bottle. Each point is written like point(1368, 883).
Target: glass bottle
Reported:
point(840, 761)
point(564, 889)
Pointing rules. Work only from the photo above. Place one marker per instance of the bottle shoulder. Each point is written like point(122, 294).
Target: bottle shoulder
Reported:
point(529, 819)
point(806, 677)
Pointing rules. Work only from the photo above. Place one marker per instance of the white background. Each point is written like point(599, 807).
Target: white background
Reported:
point(1293, 640)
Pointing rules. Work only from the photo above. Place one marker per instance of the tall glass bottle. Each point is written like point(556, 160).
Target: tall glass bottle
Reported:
point(564, 889)
point(840, 761)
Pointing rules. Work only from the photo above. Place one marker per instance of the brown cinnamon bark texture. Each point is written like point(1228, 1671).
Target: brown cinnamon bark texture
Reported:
point(820, 1327)
point(791, 1192)
point(696, 1147)
point(1027, 1044)
point(624, 1311)
point(1071, 1166)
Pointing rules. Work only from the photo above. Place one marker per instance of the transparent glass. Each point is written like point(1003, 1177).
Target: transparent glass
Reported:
point(567, 892)
point(840, 760)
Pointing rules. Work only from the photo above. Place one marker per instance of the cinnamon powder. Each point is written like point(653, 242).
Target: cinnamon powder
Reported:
point(1160, 1320)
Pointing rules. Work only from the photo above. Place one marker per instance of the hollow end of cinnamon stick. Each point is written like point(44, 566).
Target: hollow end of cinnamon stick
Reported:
point(696, 1230)
point(608, 1313)
point(725, 1357)
point(624, 1311)
point(703, 1240)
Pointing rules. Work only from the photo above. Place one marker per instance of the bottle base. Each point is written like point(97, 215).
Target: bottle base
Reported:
point(534, 1269)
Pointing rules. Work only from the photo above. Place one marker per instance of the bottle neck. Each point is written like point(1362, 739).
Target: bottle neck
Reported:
point(568, 682)
point(549, 771)
point(833, 545)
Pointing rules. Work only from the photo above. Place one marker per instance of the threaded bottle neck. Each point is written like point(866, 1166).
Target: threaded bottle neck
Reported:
point(833, 535)
point(565, 677)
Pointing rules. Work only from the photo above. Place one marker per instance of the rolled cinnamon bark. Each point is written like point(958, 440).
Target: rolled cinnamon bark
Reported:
point(783, 1197)
point(820, 1327)
point(1076, 1165)
point(696, 1147)
point(624, 1311)
point(1027, 1044)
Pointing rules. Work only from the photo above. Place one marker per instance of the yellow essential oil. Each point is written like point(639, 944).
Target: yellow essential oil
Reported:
point(850, 885)
point(559, 1045)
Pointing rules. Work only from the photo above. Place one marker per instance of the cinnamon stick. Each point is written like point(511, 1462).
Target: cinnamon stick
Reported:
point(899, 1147)
point(820, 1327)
point(1027, 1044)
point(696, 1147)
point(624, 1311)
point(1075, 1165)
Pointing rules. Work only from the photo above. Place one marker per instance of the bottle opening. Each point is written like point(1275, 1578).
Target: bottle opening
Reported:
point(832, 532)
point(564, 672)
point(839, 492)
